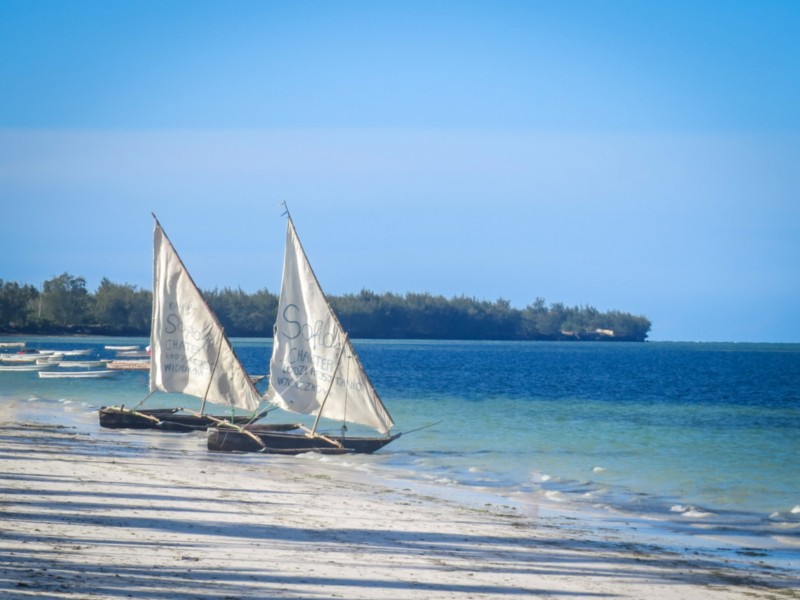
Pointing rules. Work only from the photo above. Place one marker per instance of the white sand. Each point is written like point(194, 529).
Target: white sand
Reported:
point(106, 515)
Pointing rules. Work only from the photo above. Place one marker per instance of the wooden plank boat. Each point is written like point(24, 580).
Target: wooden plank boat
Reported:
point(289, 442)
point(170, 419)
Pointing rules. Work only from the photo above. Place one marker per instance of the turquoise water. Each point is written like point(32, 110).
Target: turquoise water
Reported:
point(703, 436)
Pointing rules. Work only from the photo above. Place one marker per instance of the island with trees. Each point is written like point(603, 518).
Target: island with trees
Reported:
point(64, 305)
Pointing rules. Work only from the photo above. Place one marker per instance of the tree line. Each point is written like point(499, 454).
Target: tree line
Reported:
point(64, 305)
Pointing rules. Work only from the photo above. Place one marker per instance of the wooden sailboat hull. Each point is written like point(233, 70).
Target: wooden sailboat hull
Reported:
point(168, 419)
point(287, 442)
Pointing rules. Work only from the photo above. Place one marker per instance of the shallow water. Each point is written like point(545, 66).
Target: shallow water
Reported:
point(690, 438)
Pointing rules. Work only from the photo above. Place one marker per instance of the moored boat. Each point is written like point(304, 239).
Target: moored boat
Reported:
point(133, 354)
point(78, 352)
point(81, 364)
point(98, 374)
point(21, 358)
point(22, 367)
point(50, 359)
point(129, 365)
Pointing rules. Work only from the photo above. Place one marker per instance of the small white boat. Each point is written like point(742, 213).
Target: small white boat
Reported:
point(19, 358)
point(77, 374)
point(85, 364)
point(50, 359)
point(80, 352)
point(122, 348)
point(12, 344)
point(133, 354)
point(129, 365)
point(22, 367)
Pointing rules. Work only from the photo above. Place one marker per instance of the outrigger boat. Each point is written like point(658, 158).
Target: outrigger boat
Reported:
point(190, 354)
point(314, 370)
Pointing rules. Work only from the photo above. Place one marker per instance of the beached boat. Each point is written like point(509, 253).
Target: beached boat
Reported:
point(190, 354)
point(82, 374)
point(314, 370)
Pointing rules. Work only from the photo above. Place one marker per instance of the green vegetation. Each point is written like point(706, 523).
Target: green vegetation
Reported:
point(64, 305)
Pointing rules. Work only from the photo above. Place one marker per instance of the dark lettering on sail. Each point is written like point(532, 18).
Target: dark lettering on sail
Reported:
point(314, 369)
point(186, 348)
point(190, 353)
point(314, 334)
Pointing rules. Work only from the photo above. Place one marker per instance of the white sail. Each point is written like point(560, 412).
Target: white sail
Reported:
point(314, 367)
point(190, 352)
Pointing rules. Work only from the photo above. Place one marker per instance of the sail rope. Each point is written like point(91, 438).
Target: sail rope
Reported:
point(211, 375)
point(346, 390)
point(423, 427)
point(330, 387)
point(143, 400)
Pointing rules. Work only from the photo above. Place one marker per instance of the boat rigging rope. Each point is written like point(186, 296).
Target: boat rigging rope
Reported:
point(346, 388)
point(143, 400)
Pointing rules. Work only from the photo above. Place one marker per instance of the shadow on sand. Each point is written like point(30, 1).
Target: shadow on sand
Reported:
point(144, 520)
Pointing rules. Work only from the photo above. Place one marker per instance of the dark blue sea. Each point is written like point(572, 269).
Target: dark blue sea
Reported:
point(696, 440)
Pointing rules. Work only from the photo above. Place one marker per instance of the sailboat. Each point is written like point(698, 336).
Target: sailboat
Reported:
point(314, 370)
point(190, 354)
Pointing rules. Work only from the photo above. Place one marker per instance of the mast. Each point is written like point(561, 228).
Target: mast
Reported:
point(328, 392)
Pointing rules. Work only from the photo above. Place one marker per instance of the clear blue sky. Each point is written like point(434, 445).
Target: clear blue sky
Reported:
point(639, 156)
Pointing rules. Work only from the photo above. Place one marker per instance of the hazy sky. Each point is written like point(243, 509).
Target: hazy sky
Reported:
point(638, 156)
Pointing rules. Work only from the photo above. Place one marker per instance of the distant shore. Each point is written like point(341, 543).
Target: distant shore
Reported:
point(115, 514)
point(105, 332)
point(66, 307)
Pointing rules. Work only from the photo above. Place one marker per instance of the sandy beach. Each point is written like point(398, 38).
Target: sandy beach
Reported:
point(151, 515)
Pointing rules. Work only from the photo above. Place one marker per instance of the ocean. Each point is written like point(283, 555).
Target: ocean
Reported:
point(696, 443)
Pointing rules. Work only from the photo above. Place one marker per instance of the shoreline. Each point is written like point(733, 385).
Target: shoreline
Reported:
point(153, 515)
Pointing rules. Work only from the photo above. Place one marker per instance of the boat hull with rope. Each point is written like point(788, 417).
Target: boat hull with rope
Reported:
point(291, 442)
point(314, 370)
point(167, 419)
point(189, 353)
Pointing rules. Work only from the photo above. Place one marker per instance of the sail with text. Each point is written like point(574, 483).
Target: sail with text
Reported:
point(314, 369)
point(190, 353)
